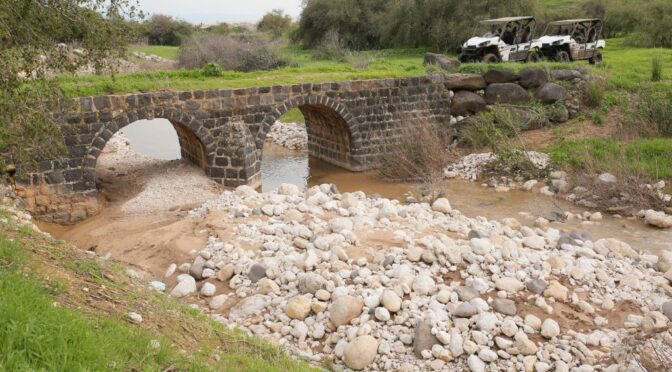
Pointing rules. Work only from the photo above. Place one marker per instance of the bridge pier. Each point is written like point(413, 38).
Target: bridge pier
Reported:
point(223, 131)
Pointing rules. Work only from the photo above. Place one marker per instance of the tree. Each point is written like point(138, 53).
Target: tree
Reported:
point(275, 23)
point(165, 30)
point(37, 38)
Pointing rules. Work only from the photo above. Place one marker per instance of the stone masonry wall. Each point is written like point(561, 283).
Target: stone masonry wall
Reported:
point(223, 131)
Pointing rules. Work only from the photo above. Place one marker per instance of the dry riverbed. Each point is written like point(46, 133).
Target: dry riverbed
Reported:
point(365, 282)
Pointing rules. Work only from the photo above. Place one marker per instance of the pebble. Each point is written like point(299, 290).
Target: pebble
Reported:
point(344, 309)
point(298, 307)
point(361, 352)
point(550, 328)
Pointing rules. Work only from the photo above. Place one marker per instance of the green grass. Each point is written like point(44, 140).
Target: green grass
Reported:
point(384, 64)
point(40, 333)
point(560, 4)
point(629, 67)
point(651, 156)
point(37, 335)
point(292, 116)
point(169, 52)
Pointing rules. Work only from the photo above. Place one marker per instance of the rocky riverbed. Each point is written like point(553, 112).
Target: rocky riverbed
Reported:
point(290, 135)
point(369, 283)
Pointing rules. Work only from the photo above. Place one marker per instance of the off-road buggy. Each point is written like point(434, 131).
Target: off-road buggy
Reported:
point(508, 39)
point(573, 40)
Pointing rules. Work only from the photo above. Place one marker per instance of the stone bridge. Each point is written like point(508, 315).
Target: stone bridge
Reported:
point(223, 131)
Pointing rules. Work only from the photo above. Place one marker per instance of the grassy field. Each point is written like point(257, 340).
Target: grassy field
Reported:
point(628, 68)
point(63, 311)
point(169, 52)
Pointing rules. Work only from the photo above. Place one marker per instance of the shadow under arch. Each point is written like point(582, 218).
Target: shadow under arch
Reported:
point(333, 133)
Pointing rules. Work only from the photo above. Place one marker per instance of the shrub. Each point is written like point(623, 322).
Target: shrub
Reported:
point(657, 67)
point(212, 69)
point(165, 30)
point(653, 113)
point(594, 91)
point(331, 47)
point(420, 156)
point(492, 128)
point(234, 52)
point(275, 23)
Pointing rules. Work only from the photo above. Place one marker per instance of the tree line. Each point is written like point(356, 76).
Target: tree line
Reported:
point(444, 24)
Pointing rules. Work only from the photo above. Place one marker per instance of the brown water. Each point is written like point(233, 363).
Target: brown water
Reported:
point(280, 165)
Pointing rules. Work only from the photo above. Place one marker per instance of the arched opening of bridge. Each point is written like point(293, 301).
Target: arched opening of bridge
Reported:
point(304, 146)
point(152, 166)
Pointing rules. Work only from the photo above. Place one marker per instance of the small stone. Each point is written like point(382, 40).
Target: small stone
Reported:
point(607, 178)
point(533, 322)
point(475, 364)
point(256, 272)
point(536, 286)
point(441, 205)
point(504, 306)
point(465, 310)
point(196, 268)
point(423, 339)
point(322, 295)
point(550, 328)
point(465, 293)
point(344, 309)
point(267, 286)
point(208, 290)
point(361, 352)
point(534, 242)
point(557, 291)
point(667, 309)
point(226, 273)
point(557, 263)
point(487, 355)
point(185, 287)
point(310, 283)
point(508, 284)
point(382, 314)
point(423, 285)
point(391, 301)
point(298, 307)
point(218, 301)
point(170, 271)
point(134, 317)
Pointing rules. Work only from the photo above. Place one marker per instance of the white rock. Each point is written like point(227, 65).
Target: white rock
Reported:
point(441, 205)
point(550, 328)
point(185, 287)
point(208, 290)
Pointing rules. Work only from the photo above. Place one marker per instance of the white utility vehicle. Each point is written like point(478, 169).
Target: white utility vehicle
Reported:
point(508, 39)
point(573, 40)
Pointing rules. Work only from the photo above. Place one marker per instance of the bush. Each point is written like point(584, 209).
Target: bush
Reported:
point(331, 47)
point(594, 91)
point(657, 67)
point(234, 52)
point(212, 69)
point(165, 30)
point(420, 156)
point(652, 114)
point(276, 23)
point(492, 129)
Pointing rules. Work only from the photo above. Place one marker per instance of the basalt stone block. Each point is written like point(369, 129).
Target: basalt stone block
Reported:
point(466, 103)
point(531, 78)
point(551, 93)
point(500, 76)
point(464, 82)
point(505, 93)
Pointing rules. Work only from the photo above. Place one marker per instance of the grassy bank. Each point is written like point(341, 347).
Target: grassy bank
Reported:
point(63, 311)
point(650, 157)
point(165, 51)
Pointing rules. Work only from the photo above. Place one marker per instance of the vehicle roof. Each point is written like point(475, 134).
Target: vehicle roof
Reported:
point(572, 21)
point(505, 20)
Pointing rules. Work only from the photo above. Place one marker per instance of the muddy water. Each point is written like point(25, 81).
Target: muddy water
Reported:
point(281, 165)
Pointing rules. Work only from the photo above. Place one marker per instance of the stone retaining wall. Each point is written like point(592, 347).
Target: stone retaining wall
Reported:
point(223, 131)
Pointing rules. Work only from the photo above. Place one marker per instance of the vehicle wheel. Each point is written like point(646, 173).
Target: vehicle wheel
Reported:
point(596, 59)
point(533, 57)
point(490, 58)
point(463, 58)
point(562, 56)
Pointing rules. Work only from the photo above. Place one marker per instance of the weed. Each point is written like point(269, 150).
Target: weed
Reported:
point(657, 67)
point(212, 69)
point(594, 91)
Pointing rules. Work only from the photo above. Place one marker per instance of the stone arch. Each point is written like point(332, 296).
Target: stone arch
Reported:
point(195, 141)
point(332, 130)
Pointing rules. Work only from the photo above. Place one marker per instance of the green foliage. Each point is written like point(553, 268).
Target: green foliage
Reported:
point(37, 335)
point(651, 156)
point(594, 91)
point(651, 114)
point(212, 69)
point(165, 30)
point(374, 24)
point(657, 67)
point(220, 28)
point(493, 128)
point(276, 23)
point(293, 116)
point(30, 33)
